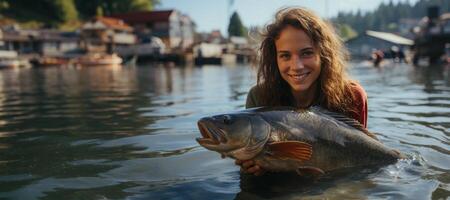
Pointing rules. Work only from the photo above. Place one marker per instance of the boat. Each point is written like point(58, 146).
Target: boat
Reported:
point(50, 61)
point(95, 59)
point(9, 59)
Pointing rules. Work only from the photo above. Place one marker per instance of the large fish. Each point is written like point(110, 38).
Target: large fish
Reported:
point(308, 141)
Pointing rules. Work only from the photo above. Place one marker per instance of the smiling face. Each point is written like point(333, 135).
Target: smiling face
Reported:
point(298, 60)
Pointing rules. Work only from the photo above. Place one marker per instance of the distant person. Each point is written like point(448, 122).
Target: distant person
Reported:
point(377, 57)
point(302, 64)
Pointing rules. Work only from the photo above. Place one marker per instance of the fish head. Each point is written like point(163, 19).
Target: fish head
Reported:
point(237, 135)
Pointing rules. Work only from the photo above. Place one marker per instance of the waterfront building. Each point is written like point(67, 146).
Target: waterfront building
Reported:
point(174, 29)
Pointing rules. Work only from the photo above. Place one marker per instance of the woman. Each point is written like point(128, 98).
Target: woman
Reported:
point(301, 64)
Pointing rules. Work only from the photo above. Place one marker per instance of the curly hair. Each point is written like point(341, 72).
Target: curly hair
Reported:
point(334, 84)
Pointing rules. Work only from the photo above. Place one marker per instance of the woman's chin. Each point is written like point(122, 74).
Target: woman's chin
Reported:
point(300, 88)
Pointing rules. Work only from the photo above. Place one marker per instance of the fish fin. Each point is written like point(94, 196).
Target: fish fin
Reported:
point(306, 170)
point(291, 150)
point(347, 120)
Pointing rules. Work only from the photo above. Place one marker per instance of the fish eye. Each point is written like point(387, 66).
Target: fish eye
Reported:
point(227, 119)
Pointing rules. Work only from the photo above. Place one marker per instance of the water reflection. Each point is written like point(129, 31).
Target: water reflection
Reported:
point(128, 132)
point(431, 77)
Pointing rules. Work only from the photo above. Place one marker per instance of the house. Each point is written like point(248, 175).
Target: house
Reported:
point(215, 36)
point(104, 34)
point(43, 41)
point(362, 46)
point(175, 29)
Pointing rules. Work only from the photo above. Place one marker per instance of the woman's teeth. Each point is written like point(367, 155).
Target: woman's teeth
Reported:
point(299, 76)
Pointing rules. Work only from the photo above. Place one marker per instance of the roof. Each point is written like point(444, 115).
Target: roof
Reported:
point(445, 16)
point(108, 22)
point(145, 16)
point(390, 37)
point(114, 23)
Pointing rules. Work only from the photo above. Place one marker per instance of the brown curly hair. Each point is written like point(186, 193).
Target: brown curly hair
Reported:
point(334, 84)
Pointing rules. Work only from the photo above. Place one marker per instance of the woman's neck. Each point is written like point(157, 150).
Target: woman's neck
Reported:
point(306, 98)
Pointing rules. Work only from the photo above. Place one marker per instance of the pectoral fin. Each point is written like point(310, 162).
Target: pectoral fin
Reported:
point(305, 170)
point(291, 150)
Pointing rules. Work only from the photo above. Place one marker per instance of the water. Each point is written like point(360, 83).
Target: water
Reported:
point(129, 133)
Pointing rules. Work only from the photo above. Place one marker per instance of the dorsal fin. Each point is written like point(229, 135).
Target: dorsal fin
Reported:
point(346, 120)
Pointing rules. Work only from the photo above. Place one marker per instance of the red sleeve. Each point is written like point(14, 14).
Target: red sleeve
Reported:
point(360, 99)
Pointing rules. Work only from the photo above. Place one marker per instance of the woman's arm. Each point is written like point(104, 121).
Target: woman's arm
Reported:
point(360, 102)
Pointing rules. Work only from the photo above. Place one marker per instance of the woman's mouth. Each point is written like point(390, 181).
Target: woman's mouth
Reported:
point(299, 77)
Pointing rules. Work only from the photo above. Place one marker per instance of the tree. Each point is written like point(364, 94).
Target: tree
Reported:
point(48, 11)
point(236, 28)
point(386, 16)
point(65, 10)
point(346, 32)
point(89, 8)
point(57, 12)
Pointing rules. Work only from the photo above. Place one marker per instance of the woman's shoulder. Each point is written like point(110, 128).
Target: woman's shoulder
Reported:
point(253, 97)
point(254, 90)
point(359, 100)
point(358, 91)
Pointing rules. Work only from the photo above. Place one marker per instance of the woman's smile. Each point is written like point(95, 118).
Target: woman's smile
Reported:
point(300, 77)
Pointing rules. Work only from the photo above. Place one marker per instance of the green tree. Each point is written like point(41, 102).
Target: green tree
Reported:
point(236, 28)
point(47, 11)
point(57, 12)
point(386, 16)
point(89, 8)
point(99, 12)
point(346, 32)
point(65, 10)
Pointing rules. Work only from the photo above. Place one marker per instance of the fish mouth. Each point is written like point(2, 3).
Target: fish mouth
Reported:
point(211, 135)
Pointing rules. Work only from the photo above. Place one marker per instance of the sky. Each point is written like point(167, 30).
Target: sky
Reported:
point(214, 14)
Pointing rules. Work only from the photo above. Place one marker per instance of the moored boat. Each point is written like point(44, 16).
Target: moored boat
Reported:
point(50, 61)
point(93, 59)
point(9, 59)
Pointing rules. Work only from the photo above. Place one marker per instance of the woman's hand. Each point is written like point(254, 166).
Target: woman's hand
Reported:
point(250, 167)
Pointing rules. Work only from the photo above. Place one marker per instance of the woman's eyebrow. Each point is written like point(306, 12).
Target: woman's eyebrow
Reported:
point(307, 48)
point(304, 49)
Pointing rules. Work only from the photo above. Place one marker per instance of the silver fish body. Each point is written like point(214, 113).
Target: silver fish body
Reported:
point(285, 139)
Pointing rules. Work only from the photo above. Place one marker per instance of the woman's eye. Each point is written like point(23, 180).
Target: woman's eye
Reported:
point(284, 56)
point(307, 54)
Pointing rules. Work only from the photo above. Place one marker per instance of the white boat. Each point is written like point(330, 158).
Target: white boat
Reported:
point(9, 59)
point(92, 59)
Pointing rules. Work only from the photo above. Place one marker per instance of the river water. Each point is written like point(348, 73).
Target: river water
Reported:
point(129, 133)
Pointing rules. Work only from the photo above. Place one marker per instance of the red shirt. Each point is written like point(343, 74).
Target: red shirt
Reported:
point(360, 99)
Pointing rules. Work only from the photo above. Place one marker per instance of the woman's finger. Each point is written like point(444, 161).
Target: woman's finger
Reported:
point(253, 169)
point(247, 164)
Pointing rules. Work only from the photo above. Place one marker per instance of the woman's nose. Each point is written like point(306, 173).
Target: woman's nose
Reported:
point(297, 62)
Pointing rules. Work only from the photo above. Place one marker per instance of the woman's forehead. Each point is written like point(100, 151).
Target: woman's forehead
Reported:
point(291, 37)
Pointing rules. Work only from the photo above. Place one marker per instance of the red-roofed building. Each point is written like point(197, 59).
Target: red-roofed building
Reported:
point(103, 33)
point(175, 30)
